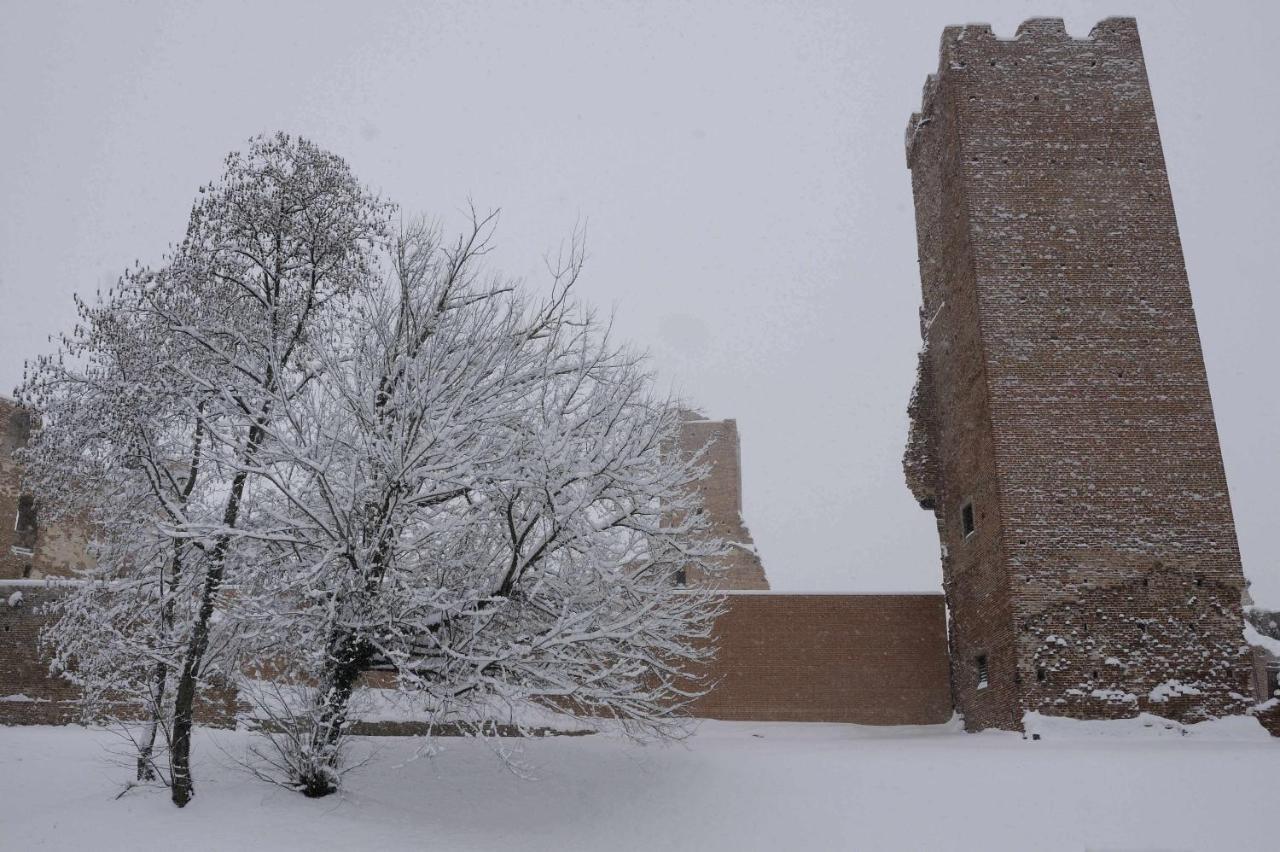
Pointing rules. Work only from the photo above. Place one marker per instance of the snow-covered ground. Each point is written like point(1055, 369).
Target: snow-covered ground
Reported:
point(740, 786)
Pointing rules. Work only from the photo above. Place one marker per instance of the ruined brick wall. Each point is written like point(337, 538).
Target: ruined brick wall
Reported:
point(29, 695)
point(30, 548)
point(722, 501)
point(1063, 393)
point(870, 659)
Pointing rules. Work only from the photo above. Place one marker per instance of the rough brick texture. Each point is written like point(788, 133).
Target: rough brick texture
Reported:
point(30, 696)
point(722, 501)
point(870, 659)
point(28, 547)
point(1063, 391)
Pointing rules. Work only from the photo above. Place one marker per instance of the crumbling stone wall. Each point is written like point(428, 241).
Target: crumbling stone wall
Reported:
point(1062, 430)
point(722, 501)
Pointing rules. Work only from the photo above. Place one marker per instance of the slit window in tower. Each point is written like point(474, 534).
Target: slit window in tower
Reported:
point(966, 519)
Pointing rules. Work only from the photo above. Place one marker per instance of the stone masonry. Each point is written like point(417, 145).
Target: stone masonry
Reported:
point(1062, 430)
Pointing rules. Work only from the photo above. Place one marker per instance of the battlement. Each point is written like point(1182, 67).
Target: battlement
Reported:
point(975, 49)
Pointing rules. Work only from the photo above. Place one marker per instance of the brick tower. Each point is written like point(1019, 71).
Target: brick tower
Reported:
point(722, 501)
point(1061, 429)
point(30, 548)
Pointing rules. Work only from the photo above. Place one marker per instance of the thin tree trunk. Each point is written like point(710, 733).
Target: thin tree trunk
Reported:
point(184, 699)
point(146, 764)
point(146, 767)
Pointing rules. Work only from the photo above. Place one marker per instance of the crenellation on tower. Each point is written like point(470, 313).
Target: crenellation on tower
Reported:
point(1062, 428)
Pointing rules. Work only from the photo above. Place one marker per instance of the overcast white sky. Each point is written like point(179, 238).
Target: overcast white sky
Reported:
point(740, 170)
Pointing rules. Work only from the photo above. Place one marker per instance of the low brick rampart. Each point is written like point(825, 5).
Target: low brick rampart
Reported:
point(869, 659)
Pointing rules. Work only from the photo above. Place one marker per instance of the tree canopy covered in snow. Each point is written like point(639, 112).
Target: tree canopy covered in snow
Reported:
point(310, 446)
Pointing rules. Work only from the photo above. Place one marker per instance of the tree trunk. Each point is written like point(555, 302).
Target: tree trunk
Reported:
point(146, 766)
point(350, 657)
point(184, 700)
point(146, 769)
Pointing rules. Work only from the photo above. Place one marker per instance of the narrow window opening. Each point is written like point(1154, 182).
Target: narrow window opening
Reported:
point(24, 525)
point(983, 679)
point(1041, 675)
point(682, 577)
point(966, 519)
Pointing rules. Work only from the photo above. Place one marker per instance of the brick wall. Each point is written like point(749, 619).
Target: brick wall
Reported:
point(870, 659)
point(1062, 388)
point(722, 501)
point(30, 547)
point(30, 696)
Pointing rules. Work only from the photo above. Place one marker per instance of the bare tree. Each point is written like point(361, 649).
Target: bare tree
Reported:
point(303, 464)
point(272, 248)
point(496, 509)
point(123, 453)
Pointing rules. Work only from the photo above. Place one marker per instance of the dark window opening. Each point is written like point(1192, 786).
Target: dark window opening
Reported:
point(682, 577)
point(1041, 675)
point(983, 673)
point(1199, 580)
point(24, 525)
point(966, 519)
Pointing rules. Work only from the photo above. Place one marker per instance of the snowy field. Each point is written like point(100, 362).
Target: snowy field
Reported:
point(1082, 786)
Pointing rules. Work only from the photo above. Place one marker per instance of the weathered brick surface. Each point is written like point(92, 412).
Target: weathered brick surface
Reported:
point(870, 659)
point(30, 696)
point(30, 550)
point(722, 501)
point(1063, 389)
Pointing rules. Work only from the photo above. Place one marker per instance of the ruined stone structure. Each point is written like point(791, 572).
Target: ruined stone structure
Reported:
point(28, 549)
point(873, 659)
point(1062, 430)
point(722, 501)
